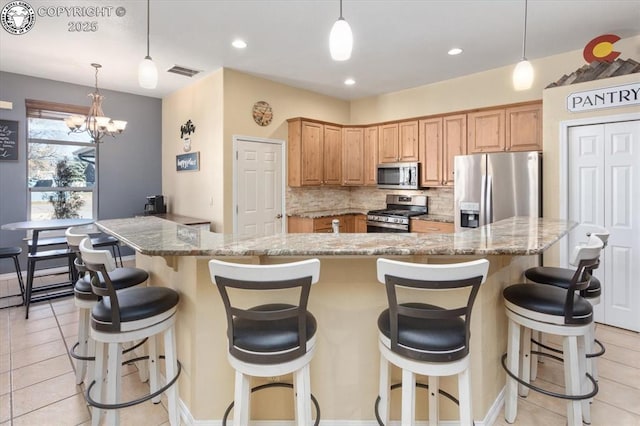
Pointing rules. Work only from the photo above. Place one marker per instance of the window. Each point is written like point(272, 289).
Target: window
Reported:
point(61, 167)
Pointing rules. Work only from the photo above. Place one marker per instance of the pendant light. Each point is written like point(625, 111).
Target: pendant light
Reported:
point(147, 70)
point(340, 39)
point(523, 72)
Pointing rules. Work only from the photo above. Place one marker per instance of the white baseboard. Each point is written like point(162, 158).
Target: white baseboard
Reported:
point(489, 419)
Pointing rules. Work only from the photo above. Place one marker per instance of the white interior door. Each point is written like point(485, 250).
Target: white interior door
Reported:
point(258, 189)
point(604, 180)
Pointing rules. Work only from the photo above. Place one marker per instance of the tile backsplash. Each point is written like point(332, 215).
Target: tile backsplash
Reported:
point(308, 199)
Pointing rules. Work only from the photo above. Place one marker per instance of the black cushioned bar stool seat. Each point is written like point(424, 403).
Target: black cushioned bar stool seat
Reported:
point(278, 335)
point(135, 304)
point(550, 301)
point(445, 336)
point(13, 253)
point(120, 277)
point(561, 277)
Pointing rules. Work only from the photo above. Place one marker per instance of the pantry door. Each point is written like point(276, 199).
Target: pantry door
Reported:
point(258, 186)
point(604, 183)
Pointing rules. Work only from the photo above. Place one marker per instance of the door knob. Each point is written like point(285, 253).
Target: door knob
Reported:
point(279, 216)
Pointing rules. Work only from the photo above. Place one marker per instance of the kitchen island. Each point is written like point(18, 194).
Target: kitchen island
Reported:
point(346, 303)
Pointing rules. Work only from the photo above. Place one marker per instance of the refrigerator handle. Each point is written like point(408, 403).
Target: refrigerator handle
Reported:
point(488, 205)
point(482, 219)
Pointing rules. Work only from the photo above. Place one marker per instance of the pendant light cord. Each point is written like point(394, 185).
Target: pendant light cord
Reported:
point(524, 35)
point(148, 8)
point(341, 10)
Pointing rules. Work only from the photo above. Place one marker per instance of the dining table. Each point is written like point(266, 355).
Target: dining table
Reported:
point(53, 290)
point(37, 226)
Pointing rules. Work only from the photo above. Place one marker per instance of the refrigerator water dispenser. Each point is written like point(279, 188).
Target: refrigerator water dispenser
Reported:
point(469, 214)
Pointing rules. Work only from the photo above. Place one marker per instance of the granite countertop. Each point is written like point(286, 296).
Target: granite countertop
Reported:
point(326, 213)
point(434, 218)
point(514, 236)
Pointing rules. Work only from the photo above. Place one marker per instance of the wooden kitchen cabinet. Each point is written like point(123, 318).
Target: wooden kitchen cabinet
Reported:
point(430, 227)
point(441, 139)
point(486, 131)
point(332, 155)
point(371, 156)
point(517, 128)
point(524, 128)
point(297, 224)
point(388, 143)
point(431, 152)
point(314, 153)
point(353, 157)
point(454, 142)
point(360, 224)
point(398, 142)
point(408, 141)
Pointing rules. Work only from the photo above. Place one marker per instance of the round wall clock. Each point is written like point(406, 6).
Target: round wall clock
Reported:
point(262, 113)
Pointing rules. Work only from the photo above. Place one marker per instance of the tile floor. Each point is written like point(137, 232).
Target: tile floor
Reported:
point(37, 382)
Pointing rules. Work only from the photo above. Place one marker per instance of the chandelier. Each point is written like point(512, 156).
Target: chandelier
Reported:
point(95, 123)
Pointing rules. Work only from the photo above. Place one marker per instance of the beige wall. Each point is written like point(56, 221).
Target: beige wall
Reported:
point(242, 91)
point(194, 193)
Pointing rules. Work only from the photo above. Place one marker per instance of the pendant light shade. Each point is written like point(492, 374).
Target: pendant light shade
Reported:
point(147, 73)
point(340, 39)
point(147, 70)
point(523, 72)
point(523, 75)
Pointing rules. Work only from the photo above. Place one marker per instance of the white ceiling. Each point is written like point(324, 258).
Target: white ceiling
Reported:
point(398, 44)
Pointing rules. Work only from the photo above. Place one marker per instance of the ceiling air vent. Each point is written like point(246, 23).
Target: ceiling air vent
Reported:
point(187, 72)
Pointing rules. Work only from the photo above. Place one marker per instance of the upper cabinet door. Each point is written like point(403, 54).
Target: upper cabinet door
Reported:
point(371, 156)
point(312, 139)
point(353, 156)
point(431, 152)
point(524, 128)
point(388, 143)
point(408, 141)
point(454, 131)
point(486, 131)
point(332, 155)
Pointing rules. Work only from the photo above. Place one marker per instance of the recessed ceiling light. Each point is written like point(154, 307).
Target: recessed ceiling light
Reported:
point(455, 51)
point(349, 82)
point(239, 44)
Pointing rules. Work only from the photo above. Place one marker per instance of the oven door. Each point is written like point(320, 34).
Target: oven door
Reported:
point(378, 227)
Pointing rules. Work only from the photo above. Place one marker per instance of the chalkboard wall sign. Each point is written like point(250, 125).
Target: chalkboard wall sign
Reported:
point(8, 140)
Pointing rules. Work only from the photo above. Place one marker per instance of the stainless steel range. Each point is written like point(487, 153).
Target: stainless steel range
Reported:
point(395, 218)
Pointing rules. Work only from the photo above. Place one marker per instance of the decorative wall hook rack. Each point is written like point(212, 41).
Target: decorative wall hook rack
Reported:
point(187, 128)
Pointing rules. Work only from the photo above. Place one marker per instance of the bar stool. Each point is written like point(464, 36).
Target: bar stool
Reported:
point(271, 339)
point(13, 253)
point(561, 277)
point(124, 316)
point(85, 299)
point(426, 339)
point(38, 256)
point(559, 311)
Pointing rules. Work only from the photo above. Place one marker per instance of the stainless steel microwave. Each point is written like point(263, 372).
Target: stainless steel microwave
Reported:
point(398, 175)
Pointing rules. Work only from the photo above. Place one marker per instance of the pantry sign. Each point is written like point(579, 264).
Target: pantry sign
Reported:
point(609, 97)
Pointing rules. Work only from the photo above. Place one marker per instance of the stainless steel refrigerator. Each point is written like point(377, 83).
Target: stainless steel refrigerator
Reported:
point(492, 187)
